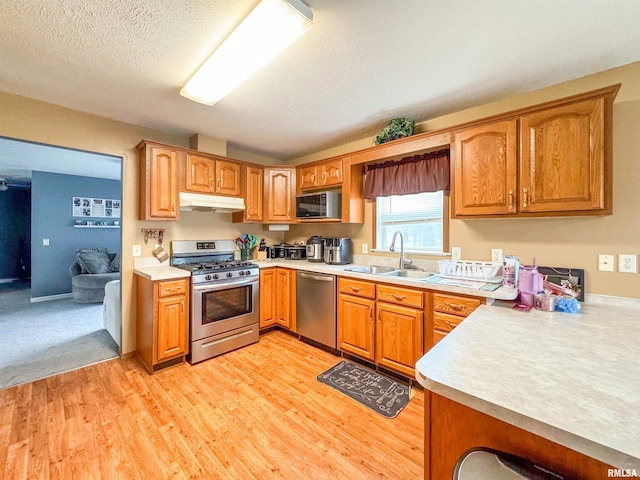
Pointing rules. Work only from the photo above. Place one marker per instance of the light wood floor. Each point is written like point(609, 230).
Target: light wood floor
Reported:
point(255, 413)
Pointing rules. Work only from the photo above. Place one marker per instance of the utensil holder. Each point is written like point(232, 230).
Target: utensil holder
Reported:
point(246, 253)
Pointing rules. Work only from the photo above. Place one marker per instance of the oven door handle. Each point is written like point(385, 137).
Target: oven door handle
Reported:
point(224, 286)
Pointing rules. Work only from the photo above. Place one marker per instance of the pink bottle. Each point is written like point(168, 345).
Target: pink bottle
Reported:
point(529, 283)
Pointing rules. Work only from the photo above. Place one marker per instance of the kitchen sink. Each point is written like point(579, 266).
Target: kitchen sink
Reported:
point(419, 274)
point(373, 269)
point(391, 272)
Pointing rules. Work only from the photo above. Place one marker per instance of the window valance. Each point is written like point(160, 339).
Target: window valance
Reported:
point(427, 172)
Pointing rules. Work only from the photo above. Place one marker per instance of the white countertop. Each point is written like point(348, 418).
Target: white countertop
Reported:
point(501, 293)
point(161, 272)
point(571, 378)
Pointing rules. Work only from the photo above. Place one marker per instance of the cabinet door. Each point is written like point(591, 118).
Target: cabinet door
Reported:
point(331, 173)
point(283, 282)
point(255, 193)
point(308, 177)
point(356, 327)
point(398, 337)
point(172, 327)
point(227, 178)
point(268, 306)
point(562, 158)
point(279, 194)
point(162, 189)
point(200, 174)
point(485, 170)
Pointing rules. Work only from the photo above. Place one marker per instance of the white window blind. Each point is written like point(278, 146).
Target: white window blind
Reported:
point(418, 217)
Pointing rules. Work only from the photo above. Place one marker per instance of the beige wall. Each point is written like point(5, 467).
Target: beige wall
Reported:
point(562, 242)
point(27, 119)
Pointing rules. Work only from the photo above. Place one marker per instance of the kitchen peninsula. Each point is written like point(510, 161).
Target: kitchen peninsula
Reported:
point(570, 379)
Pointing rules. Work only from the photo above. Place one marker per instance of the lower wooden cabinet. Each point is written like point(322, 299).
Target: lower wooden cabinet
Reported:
point(356, 327)
point(448, 311)
point(381, 323)
point(286, 298)
point(268, 306)
point(162, 323)
point(277, 298)
point(398, 337)
point(451, 429)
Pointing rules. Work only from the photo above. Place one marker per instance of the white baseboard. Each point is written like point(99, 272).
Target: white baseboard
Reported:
point(51, 297)
point(7, 280)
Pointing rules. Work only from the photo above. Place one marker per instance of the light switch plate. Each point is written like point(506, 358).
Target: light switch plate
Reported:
point(365, 248)
point(496, 255)
point(605, 263)
point(627, 263)
point(456, 253)
point(137, 250)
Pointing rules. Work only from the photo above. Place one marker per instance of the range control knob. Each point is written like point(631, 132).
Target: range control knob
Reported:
point(207, 277)
point(247, 272)
point(241, 272)
point(215, 276)
point(229, 274)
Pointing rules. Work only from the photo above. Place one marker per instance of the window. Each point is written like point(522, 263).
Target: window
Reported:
point(419, 217)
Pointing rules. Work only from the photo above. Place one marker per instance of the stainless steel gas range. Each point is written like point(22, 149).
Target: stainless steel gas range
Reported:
point(225, 297)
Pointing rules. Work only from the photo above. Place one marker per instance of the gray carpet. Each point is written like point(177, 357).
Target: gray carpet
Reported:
point(41, 339)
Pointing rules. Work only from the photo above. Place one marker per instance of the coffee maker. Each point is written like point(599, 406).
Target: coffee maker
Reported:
point(338, 251)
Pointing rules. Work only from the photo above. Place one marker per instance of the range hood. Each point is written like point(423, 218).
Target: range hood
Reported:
point(214, 203)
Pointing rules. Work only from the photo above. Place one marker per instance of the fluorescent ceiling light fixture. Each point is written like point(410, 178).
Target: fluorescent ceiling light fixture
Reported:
point(270, 28)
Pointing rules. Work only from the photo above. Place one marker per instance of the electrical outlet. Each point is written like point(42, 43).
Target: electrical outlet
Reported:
point(627, 263)
point(365, 248)
point(605, 263)
point(496, 255)
point(456, 253)
point(137, 250)
point(45, 242)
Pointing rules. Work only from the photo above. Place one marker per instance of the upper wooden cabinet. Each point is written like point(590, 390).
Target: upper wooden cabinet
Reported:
point(548, 160)
point(485, 169)
point(208, 175)
point(158, 183)
point(252, 183)
point(562, 162)
point(320, 175)
point(279, 189)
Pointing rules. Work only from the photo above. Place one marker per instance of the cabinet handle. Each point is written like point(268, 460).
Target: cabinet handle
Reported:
point(219, 183)
point(525, 198)
point(398, 297)
point(379, 319)
point(451, 324)
point(286, 279)
point(370, 314)
point(211, 183)
point(313, 178)
point(324, 176)
point(182, 306)
point(455, 307)
point(355, 289)
point(173, 206)
point(510, 199)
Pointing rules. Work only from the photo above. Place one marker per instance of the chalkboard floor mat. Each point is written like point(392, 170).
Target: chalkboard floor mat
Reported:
point(379, 393)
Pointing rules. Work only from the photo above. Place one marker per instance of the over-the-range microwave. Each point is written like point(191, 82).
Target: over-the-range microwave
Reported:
point(319, 205)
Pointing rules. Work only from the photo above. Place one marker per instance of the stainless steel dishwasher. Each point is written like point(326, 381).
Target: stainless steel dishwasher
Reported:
point(316, 307)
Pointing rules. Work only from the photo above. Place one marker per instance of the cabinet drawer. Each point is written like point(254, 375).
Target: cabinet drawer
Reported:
point(438, 335)
point(357, 287)
point(445, 322)
point(453, 305)
point(401, 296)
point(175, 287)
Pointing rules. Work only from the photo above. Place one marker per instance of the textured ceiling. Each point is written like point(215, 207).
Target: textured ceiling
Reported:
point(363, 62)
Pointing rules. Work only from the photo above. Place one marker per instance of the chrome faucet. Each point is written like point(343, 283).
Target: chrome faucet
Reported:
point(403, 261)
